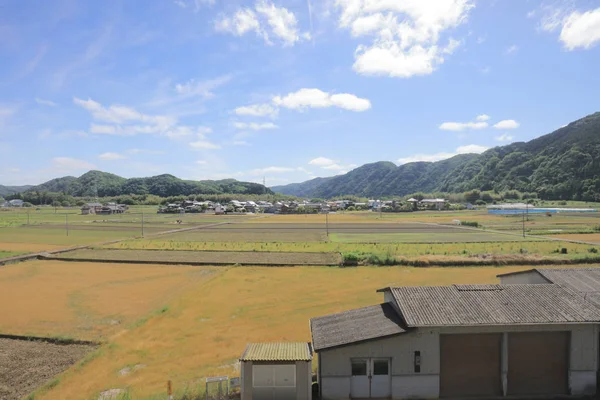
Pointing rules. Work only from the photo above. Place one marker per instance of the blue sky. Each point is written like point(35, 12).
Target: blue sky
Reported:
point(286, 89)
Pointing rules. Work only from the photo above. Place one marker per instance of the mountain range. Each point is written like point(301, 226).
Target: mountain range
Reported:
point(100, 184)
point(564, 164)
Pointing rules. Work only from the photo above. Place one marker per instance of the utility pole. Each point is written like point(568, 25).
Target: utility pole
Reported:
point(142, 224)
point(67, 223)
point(523, 224)
point(27, 217)
point(327, 223)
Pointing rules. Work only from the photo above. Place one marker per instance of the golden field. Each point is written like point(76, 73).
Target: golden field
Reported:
point(204, 327)
point(85, 300)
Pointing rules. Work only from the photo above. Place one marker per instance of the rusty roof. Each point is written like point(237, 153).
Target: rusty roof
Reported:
point(286, 351)
point(466, 305)
point(355, 326)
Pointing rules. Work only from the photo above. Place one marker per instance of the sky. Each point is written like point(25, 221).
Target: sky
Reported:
point(283, 90)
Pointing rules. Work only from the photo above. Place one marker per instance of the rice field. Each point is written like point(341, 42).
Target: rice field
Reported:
point(85, 300)
point(204, 329)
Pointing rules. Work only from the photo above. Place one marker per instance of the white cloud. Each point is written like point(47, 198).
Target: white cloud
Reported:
point(257, 110)
point(481, 39)
point(472, 148)
point(67, 164)
point(483, 117)
point(512, 49)
point(403, 36)
point(196, 4)
point(581, 30)
point(255, 126)
point(504, 138)
point(119, 114)
point(204, 145)
point(321, 162)
point(145, 151)
point(334, 167)
point(240, 143)
point(315, 98)
point(282, 22)
point(578, 30)
point(507, 124)
point(126, 121)
point(201, 162)
point(203, 89)
point(461, 126)
point(266, 20)
point(111, 156)
point(45, 102)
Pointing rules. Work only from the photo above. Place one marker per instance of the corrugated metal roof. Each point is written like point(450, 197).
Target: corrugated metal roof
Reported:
point(354, 326)
point(585, 281)
point(277, 352)
point(579, 279)
point(505, 304)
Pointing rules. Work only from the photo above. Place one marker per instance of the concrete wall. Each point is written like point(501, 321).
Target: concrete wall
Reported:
point(529, 277)
point(335, 366)
point(303, 390)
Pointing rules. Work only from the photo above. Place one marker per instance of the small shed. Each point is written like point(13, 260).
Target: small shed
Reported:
point(276, 371)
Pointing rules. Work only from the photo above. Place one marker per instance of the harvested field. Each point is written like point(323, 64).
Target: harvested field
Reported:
point(86, 300)
point(591, 237)
point(442, 236)
point(26, 365)
point(205, 329)
point(205, 257)
point(465, 249)
point(28, 247)
point(341, 232)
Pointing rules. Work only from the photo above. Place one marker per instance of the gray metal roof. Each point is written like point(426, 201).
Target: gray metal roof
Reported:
point(355, 326)
point(585, 281)
point(578, 279)
point(465, 305)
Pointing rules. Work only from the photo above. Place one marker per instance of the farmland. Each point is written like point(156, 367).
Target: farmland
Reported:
point(202, 331)
point(185, 322)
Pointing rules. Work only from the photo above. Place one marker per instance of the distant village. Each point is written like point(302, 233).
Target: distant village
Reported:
point(278, 207)
point(301, 207)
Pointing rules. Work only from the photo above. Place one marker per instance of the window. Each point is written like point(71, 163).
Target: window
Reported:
point(381, 367)
point(417, 362)
point(359, 367)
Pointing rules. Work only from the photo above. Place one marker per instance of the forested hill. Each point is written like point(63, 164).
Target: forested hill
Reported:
point(564, 164)
point(8, 190)
point(101, 184)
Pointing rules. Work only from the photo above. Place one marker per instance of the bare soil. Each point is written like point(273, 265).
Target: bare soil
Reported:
point(27, 365)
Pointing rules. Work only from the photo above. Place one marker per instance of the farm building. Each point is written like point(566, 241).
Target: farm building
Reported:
point(584, 281)
point(460, 341)
point(91, 208)
point(276, 371)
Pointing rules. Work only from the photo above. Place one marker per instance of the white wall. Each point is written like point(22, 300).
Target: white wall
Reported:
point(335, 367)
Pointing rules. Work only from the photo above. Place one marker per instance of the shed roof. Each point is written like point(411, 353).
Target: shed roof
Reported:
point(355, 326)
point(585, 281)
point(467, 305)
point(277, 352)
